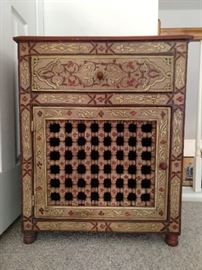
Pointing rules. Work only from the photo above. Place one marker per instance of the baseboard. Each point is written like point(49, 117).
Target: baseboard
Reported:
point(190, 196)
point(10, 201)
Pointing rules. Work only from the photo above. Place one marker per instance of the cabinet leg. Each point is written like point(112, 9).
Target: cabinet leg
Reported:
point(29, 237)
point(171, 239)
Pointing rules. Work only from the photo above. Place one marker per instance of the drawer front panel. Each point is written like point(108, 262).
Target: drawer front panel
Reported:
point(146, 73)
point(104, 163)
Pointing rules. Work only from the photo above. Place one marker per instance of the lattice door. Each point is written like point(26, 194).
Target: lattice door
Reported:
point(97, 163)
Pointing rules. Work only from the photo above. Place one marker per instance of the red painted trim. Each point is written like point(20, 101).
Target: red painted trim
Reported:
point(99, 38)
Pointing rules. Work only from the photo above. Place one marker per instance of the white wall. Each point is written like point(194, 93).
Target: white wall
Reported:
point(187, 18)
point(106, 17)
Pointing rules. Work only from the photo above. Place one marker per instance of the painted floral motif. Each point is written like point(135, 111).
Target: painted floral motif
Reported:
point(137, 73)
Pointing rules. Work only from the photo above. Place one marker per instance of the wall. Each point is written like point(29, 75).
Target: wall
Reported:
point(106, 17)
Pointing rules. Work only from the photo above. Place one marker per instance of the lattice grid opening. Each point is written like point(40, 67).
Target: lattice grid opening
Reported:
point(101, 163)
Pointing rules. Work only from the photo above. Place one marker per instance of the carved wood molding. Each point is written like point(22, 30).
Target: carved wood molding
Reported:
point(196, 33)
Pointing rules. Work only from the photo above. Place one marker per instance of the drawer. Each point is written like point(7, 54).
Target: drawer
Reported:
point(133, 73)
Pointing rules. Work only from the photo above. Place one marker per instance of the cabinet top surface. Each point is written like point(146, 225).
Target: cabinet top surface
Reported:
point(100, 38)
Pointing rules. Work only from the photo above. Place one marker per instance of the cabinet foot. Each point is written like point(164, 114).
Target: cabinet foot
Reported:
point(29, 237)
point(171, 239)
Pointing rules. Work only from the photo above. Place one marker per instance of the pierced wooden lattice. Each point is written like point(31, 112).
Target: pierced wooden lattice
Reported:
point(101, 163)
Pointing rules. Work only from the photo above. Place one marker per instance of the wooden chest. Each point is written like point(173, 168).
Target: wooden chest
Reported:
point(102, 124)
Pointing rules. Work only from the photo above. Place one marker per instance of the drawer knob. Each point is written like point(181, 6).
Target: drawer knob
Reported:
point(163, 166)
point(100, 75)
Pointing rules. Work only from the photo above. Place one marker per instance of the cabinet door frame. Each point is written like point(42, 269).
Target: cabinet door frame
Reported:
point(162, 116)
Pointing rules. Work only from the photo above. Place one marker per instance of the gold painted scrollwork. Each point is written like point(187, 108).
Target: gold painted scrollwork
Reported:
point(71, 73)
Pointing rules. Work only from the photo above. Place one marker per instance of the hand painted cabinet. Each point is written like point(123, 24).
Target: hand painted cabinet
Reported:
point(102, 123)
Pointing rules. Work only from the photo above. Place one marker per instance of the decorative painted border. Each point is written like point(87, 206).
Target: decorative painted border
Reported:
point(26, 137)
point(100, 226)
point(100, 99)
point(104, 47)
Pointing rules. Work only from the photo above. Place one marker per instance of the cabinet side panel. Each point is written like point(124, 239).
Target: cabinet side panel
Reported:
point(26, 139)
point(177, 139)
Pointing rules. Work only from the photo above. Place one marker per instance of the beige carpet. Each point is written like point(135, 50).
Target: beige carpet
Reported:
point(87, 251)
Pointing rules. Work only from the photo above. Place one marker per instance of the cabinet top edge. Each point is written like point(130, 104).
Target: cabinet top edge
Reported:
point(19, 39)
